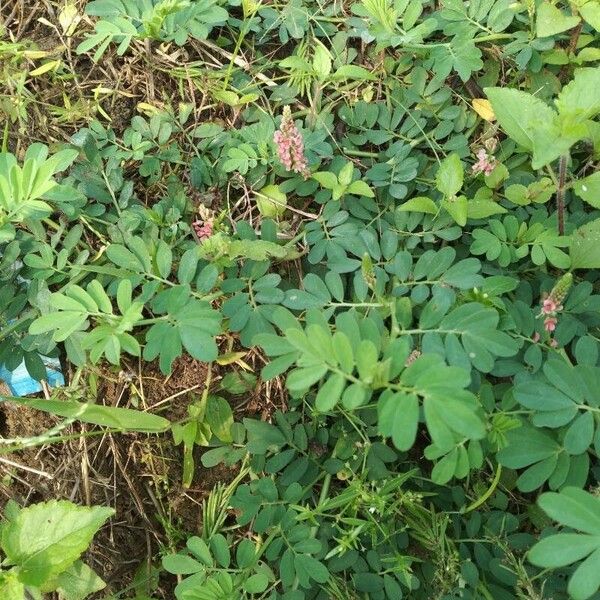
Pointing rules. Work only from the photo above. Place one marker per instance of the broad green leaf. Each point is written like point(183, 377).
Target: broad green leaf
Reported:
point(164, 259)
point(10, 586)
point(45, 539)
point(590, 11)
point(480, 209)
point(360, 188)
point(520, 114)
point(588, 189)
point(578, 100)
point(585, 246)
point(457, 208)
point(550, 20)
point(321, 61)
point(419, 204)
point(271, 201)
point(78, 582)
point(449, 177)
point(326, 178)
point(580, 433)
point(219, 417)
point(346, 173)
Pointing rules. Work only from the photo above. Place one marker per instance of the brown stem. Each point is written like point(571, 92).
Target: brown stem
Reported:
point(575, 33)
point(560, 193)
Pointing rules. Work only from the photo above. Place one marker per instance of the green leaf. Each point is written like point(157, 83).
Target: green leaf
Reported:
point(200, 550)
point(586, 579)
point(457, 208)
point(326, 178)
point(590, 11)
point(585, 246)
point(308, 568)
point(588, 189)
point(271, 201)
point(580, 434)
point(219, 417)
point(181, 564)
point(526, 446)
point(480, 209)
point(449, 177)
point(360, 188)
point(520, 114)
point(220, 547)
point(124, 258)
point(45, 539)
point(125, 419)
point(256, 584)
point(78, 582)
point(10, 586)
point(398, 418)
point(444, 470)
point(574, 508)
point(354, 72)
point(550, 20)
point(562, 549)
point(419, 204)
point(580, 510)
point(578, 99)
point(164, 259)
point(301, 379)
point(330, 392)
point(321, 60)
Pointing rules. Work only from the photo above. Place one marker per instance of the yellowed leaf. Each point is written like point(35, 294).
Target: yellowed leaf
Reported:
point(35, 54)
point(230, 357)
point(49, 66)
point(68, 18)
point(484, 109)
point(147, 109)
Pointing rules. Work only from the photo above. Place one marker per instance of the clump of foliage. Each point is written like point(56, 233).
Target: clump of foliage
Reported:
point(42, 545)
point(405, 225)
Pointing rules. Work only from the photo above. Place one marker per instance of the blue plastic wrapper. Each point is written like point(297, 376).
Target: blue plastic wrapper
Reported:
point(20, 382)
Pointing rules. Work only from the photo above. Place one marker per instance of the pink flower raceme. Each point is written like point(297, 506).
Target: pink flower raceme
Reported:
point(290, 145)
point(552, 304)
point(203, 229)
point(485, 164)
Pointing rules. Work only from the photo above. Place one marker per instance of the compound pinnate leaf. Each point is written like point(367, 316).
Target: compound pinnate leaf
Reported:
point(578, 509)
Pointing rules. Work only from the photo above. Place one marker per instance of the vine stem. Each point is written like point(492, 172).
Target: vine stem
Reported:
point(560, 193)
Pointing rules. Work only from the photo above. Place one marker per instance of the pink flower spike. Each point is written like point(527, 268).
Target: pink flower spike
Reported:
point(550, 324)
point(290, 145)
point(202, 229)
point(553, 343)
point(536, 338)
point(485, 163)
